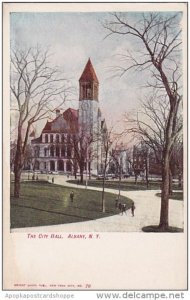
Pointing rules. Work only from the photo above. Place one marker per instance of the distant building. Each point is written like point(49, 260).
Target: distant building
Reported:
point(53, 150)
point(120, 162)
point(144, 157)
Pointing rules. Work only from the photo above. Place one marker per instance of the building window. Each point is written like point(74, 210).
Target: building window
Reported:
point(45, 152)
point(60, 165)
point(69, 151)
point(46, 138)
point(57, 138)
point(52, 151)
point(37, 165)
point(37, 151)
point(52, 165)
point(57, 151)
point(45, 166)
point(69, 166)
point(51, 138)
point(62, 138)
point(63, 151)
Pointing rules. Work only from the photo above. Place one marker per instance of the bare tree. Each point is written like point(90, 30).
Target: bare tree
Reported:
point(116, 158)
point(82, 142)
point(35, 88)
point(110, 139)
point(149, 126)
point(159, 37)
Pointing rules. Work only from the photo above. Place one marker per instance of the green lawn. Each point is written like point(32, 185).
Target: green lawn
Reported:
point(125, 185)
point(42, 203)
point(174, 196)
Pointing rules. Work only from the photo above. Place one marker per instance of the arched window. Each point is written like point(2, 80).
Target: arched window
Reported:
point(46, 138)
point(52, 151)
point(37, 151)
point(88, 91)
point(69, 151)
point(57, 150)
point(57, 138)
point(51, 138)
point(63, 151)
point(69, 166)
point(60, 165)
point(68, 138)
point(45, 151)
point(62, 138)
point(37, 165)
point(52, 165)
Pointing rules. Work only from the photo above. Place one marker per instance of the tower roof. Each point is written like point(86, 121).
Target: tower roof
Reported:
point(89, 73)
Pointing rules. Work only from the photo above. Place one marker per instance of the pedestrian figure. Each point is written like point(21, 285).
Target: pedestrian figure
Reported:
point(123, 209)
point(37, 177)
point(120, 206)
point(72, 196)
point(116, 203)
point(33, 177)
point(133, 209)
point(52, 179)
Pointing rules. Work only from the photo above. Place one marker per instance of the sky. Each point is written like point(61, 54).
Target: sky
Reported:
point(72, 39)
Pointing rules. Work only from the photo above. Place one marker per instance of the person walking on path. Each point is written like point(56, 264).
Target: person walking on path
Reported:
point(123, 208)
point(133, 209)
point(72, 196)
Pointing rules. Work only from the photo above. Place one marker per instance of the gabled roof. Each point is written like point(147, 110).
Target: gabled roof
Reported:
point(70, 114)
point(47, 126)
point(89, 73)
point(32, 134)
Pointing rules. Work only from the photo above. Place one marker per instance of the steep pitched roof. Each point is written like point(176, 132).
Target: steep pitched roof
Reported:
point(32, 134)
point(70, 114)
point(89, 73)
point(47, 126)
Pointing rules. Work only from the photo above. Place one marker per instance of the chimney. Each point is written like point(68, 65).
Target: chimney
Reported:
point(57, 112)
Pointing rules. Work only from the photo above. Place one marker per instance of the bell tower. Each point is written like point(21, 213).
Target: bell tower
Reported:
point(89, 118)
point(88, 83)
point(88, 99)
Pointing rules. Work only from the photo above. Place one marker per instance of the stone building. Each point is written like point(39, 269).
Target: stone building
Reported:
point(54, 149)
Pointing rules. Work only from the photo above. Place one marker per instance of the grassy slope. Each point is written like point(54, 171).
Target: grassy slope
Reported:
point(125, 185)
point(42, 203)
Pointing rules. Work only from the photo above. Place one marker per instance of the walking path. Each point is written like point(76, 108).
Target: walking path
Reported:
point(147, 213)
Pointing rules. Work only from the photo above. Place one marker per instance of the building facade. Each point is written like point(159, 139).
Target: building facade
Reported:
point(54, 149)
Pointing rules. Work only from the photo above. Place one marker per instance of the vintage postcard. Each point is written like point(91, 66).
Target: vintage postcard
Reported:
point(95, 146)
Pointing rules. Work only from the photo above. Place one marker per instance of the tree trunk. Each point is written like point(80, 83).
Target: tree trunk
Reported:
point(17, 183)
point(81, 176)
point(103, 196)
point(147, 172)
point(170, 185)
point(135, 178)
point(164, 223)
point(119, 187)
point(18, 164)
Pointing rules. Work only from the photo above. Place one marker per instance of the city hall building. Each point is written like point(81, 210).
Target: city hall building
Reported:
point(54, 149)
